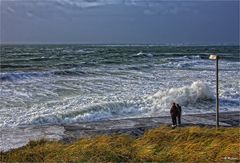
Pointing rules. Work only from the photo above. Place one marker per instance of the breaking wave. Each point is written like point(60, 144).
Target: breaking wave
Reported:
point(143, 54)
point(184, 96)
point(196, 93)
point(91, 113)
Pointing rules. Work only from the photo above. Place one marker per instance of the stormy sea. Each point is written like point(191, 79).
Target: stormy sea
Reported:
point(63, 84)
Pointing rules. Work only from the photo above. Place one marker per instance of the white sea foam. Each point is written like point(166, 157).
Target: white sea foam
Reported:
point(184, 96)
point(143, 54)
point(95, 93)
point(90, 113)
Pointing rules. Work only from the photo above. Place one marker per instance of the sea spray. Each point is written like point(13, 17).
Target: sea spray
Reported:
point(184, 95)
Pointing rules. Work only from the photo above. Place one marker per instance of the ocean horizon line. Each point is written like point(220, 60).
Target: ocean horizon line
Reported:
point(118, 44)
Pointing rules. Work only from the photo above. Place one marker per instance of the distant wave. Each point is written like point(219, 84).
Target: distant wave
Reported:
point(13, 76)
point(194, 61)
point(78, 51)
point(17, 76)
point(143, 54)
point(69, 72)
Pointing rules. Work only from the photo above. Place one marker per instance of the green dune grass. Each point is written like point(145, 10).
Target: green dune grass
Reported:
point(163, 144)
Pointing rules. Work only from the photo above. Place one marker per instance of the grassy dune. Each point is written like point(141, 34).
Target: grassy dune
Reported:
point(187, 144)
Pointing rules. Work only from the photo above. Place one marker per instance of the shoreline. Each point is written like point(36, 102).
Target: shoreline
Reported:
point(135, 127)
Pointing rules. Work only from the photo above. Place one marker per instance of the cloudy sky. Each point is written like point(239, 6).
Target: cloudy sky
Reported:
point(120, 21)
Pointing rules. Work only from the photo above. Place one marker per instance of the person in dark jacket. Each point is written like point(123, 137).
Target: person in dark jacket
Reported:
point(174, 114)
point(179, 114)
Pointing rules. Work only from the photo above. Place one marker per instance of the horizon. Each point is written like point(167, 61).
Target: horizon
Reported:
point(116, 44)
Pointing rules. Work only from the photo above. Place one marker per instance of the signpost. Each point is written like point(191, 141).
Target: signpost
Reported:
point(216, 58)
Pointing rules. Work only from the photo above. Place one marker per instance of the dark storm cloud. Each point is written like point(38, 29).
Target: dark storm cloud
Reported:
point(119, 21)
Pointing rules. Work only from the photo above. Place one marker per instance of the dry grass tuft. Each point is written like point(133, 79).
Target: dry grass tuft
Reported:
point(163, 144)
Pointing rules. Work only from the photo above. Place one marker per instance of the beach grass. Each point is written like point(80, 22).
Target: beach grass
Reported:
point(163, 144)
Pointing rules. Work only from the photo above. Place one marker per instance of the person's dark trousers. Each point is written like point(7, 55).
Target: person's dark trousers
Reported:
point(179, 119)
point(174, 120)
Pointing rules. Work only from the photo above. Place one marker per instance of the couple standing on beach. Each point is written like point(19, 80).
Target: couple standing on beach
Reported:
point(176, 112)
